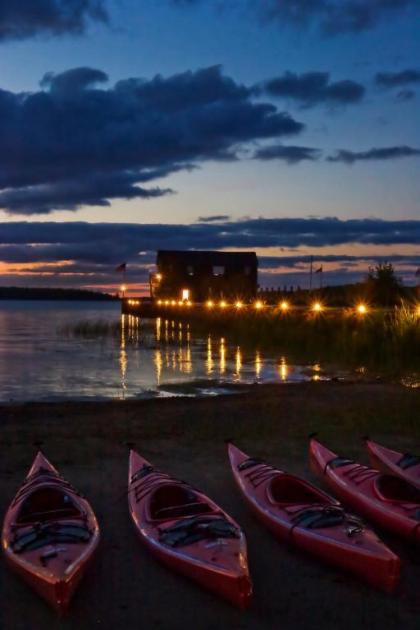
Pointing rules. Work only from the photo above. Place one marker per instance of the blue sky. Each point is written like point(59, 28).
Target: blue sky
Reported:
point(365, 148)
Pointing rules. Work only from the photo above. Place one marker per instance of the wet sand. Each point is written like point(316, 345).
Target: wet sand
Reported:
point(125, 587)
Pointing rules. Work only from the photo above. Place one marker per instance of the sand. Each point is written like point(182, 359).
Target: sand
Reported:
point(126, 588)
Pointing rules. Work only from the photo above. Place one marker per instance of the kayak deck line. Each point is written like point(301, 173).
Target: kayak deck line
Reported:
point(298, 513)
point(188, 532)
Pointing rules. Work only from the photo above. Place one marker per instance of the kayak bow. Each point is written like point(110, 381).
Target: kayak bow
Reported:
point(297, 512)
point(387, 500)
point(50, 534)
point(405, 465)
point(188, 532)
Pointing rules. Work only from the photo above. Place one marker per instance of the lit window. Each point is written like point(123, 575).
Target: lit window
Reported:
point(185, 295)
point(218, 270)
point(190, 270)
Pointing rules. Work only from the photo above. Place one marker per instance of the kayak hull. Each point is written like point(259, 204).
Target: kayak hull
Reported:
point(360, 553)
point(54, 569)
point(365, 490)
point(220, 566)
point(390, 461)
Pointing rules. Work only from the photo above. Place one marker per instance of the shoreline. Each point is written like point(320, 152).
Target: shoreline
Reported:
point(89, 442)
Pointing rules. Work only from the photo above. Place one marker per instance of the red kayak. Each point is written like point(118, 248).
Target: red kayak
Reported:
point(386, 500)
point(297, 512)
point(50, 534)
point(405, 465)
point(188, 532)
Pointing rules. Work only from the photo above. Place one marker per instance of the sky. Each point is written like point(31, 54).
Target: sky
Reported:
point(289, 127)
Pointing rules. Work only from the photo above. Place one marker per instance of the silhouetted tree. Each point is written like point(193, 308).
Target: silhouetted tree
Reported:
point(383, 286)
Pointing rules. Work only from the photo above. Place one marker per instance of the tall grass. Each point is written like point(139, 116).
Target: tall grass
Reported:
point(390, 339)
point(91, 329)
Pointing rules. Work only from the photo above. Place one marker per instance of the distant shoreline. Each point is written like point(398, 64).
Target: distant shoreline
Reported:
point(76, 295)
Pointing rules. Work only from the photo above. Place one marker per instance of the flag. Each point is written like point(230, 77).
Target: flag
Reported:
point(319, 270)
point(121, 267)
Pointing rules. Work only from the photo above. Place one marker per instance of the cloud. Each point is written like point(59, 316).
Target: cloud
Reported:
point(406, 95)
point(111, 243)
point(20, 19)
point(331, 17)
point(397, 79)
point(314, 88)
point(289, 154)
point(72, 144)
point(385, 153)
point(268, 263)
point(79, 254)
point(214, 218)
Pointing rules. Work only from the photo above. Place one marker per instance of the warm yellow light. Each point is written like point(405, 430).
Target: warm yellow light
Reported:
point(158, 276)
point(223, 304)
point(185, 295)
point(159, 302)
point(166, 302)
point(209, 304)
point(123, 288)
point(418, 310)
point(238, 304)
point(362, 309)
point(173, 302)
point(284, 305)
point(180, 302)
point(258, 305)
point(317, 307)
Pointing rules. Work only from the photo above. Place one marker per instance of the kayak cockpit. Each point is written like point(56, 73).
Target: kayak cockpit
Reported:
point(47, 504)
point(396, 490)
point(287, 489)
point(172, 501)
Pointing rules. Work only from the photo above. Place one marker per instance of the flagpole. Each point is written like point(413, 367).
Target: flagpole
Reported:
point(310, 274)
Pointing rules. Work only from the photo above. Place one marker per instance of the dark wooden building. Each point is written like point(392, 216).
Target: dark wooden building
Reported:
point(202, 275)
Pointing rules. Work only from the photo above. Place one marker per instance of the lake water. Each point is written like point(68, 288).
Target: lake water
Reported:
point(41, 358)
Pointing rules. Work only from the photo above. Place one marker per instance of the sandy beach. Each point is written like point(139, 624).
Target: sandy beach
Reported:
point(126, 588)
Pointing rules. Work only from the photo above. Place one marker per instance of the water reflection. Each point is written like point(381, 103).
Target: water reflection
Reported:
point(71, 350)
point(209, 357)
point(178, 358)
point(123, 355)
point(222, 356)
point(258, 364)
point(283, 369)
point(238, 362)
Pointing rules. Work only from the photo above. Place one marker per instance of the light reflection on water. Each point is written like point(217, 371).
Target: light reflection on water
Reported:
point(41, 360)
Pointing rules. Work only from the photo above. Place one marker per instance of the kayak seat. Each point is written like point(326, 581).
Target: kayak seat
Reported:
point(391, 488)
point(408, 460)
point(47, 504)
point(191, 530)
point(173, 501)
point(289, 489)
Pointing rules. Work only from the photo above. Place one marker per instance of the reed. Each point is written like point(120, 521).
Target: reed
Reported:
point(390, 339)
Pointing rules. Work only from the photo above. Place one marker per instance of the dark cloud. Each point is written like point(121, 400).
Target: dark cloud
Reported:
point(296, 262)
point(385, 153)
point(214, 218)
point(85, 254)
point(314, 88)
point(397, 79)
point(331, 17)
point(111, 243)
point(406, 95)
point(73, 144)
point(289, 154)
point(20, 19)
